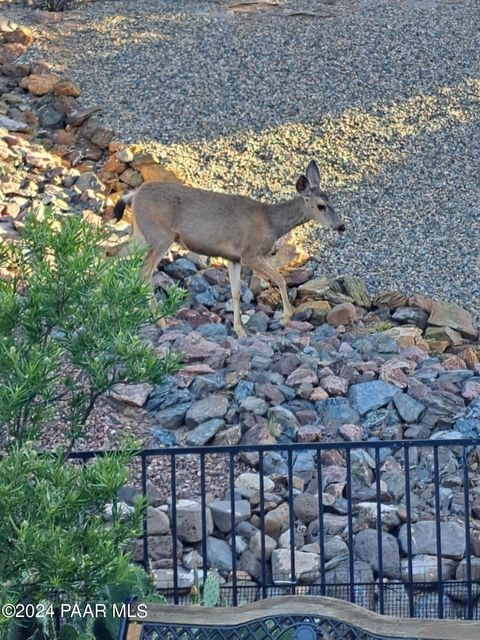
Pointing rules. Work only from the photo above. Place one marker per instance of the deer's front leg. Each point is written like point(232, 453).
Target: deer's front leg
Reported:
point(261, 266)
point(234, 271)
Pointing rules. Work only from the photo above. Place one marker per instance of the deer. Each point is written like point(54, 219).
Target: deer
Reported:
point(236, 228)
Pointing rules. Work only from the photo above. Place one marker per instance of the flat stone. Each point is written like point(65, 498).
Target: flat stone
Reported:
point(204, 432)
point(164, 578)
point(306, 566)
point(424, 540)
point(13, 125)
point(206, 409)
point(444, 334)
point(425, 568)
point(248, 484)
point(134, 394)
point(408, 408)
point(180, 268)
point(195, 347)
point(315, 288)
point(302, 375)
point(450, 314)
point(367, 396)
point(222, 513)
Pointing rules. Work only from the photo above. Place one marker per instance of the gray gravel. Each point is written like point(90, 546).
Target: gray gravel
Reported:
point(385, 93)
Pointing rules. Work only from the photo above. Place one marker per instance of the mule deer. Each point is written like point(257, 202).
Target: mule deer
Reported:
point(240, 230)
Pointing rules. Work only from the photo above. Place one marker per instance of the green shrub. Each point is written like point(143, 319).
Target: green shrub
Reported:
point(54, 538)
point(70, 327)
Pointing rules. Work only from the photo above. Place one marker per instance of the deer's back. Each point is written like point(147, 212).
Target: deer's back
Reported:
point(206, 222)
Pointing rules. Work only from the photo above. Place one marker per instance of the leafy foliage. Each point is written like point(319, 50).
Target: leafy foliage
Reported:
point(53, 535)
point(70, 327)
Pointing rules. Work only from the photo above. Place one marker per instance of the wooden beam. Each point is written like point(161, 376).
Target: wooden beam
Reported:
point(318, 606)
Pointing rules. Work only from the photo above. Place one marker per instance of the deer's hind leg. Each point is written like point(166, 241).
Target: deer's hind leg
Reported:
point(234, 272)
point(153, 257)
point(262, 268)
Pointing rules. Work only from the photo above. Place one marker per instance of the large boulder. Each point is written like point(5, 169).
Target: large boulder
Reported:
point(206, 409)
point(306, 566)
point(367, 396)
point(424, 539)
point(189, 520)
point(366, 548)
point(248, 484)
point(219, 554)
point(425, 568)
point(222, 513)
point(449, 314)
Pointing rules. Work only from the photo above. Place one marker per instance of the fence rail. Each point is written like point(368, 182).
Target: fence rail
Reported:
point(372, 483)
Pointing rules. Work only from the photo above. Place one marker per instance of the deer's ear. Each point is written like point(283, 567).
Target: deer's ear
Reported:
point(313, 174)
point(303, 185)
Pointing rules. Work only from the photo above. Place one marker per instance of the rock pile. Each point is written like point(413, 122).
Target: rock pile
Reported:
point(352, 369)
point(55, 152)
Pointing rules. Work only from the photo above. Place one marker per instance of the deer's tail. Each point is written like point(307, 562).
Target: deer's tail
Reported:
point(121, 204)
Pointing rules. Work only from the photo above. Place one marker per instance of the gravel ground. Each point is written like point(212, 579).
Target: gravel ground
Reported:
point(384, 93)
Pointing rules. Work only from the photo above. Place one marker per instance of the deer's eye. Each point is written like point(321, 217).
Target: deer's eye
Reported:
point(321, 207)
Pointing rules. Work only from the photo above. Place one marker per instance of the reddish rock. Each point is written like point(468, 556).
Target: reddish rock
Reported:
point(10, 52)
point(157, 173)
point(306, 416)
point(309, 433)
point(351, 432)
point(272, 393)
point(343, 314)
point(66, 88)
point(64, 137)
point(422, 302)
point(194, 346)
point(453, 362)
point(113, 164)
point(318, 394)
point(471, 390)
point(470, 357)
point(135, 394)
point(302, 375)
point(40, 84)
point(334, 385)
point(22, 35)
point(393, 371)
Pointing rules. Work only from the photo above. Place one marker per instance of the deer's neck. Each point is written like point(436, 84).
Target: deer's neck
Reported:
point(285, 216)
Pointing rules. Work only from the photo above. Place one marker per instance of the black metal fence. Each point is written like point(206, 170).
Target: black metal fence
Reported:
point(420, 481)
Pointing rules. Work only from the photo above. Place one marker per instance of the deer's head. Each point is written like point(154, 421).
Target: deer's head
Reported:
point(317, 203)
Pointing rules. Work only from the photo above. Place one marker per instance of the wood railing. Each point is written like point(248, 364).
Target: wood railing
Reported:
point(286, 618)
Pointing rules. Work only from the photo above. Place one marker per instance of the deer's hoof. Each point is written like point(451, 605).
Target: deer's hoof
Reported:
point(240, 331)
point(286, 320)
